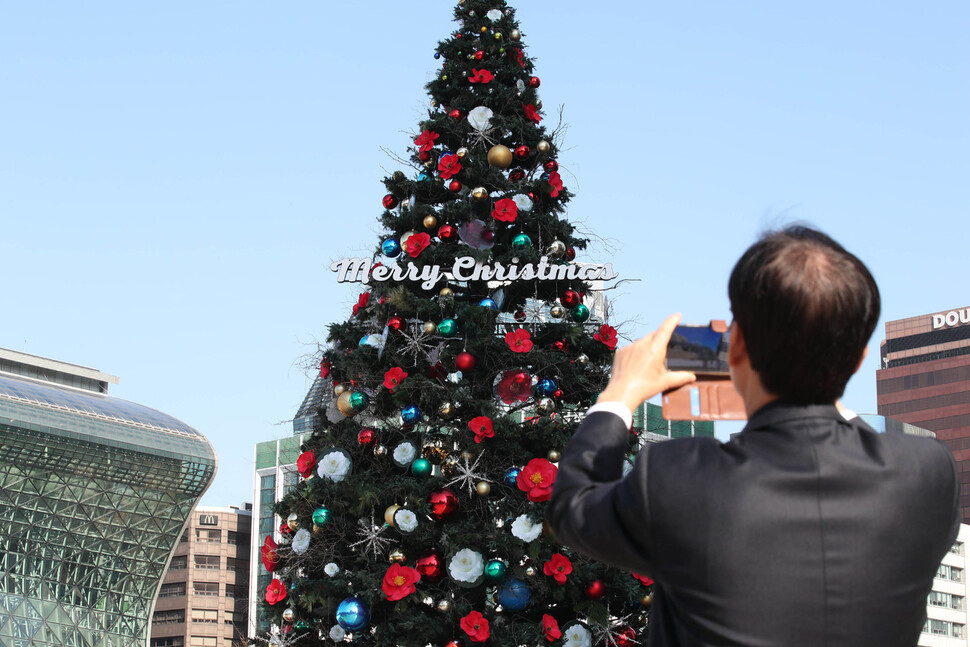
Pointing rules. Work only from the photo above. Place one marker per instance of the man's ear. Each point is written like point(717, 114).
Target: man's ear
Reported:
point(865, 352)
point(737, 349)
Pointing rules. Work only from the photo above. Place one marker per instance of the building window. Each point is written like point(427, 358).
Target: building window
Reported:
point(204, 641)
point(174, 641)
point(172, 590)
point(205, 616)
point(957, 548)
point(237, 564)
point(178, 563)
point(185, 536)
point(175, 616)
point(208, 536)
point(951, 573)
point(207, 561)
point(943, 628)
point(236, 590)
point(235, 538)
point(205, 588)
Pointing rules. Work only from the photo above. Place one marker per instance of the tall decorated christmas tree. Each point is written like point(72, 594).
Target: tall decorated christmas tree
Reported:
point(475, 346)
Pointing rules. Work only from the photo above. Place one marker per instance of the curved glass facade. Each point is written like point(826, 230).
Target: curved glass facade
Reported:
point(94, 493)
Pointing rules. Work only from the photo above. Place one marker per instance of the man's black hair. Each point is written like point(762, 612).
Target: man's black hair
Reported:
point(807, 309)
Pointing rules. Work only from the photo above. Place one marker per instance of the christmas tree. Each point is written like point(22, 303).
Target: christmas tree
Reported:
point(476, 345)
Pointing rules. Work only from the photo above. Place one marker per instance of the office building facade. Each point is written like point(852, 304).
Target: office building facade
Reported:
point(203, 600)
point(94, 494)
point(925, 381)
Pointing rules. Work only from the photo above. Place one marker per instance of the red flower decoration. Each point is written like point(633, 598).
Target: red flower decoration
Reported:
point(361, 303)
point(506, 210)
point(550, 627)
point(520, 57)
point(536, 479)
point(449, 166)
point(399, 582)
point(520, 341)
point(480, 76)
point(426, 140)
point(514, 386)
point(607, 335)
point(555, 183)
point(416, 243)
point(558, 567)
point(305, 463)
point(267, 552)
point(324, 369)
point(476, 626)
point(643, 579)
point(531, 113)
point(482, 428)
point(393, 378)
point(275, 592)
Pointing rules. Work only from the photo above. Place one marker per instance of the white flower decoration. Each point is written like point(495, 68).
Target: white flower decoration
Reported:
point(404, 454)
point(520, 85)
point(337, 633)
point(480, 118)
point(301, 541)
point(466, 566)
point(405, 520)
point(522, 201)
point(524, 529)
point(334, 466)
point(376, 341)
point(495, 14)
point(331, 569)
point(577, 636)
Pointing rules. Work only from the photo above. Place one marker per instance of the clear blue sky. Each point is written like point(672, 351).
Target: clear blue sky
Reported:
point(175, 178)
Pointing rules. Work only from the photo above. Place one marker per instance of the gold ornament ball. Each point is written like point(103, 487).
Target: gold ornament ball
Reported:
point(515, 35)
point(583, 360)
point(343, 404)
point(293, 521)
point(434, 454)
point(444, 606)
point(500, 156)
point(530, 571)
point(447, 410)
point(405, 236)
point(434, 103)
point(484, 29)
point(446, 292)
point(461, 152)
point(317, 529)
point(396, 556)
point(480, 193)
point(498, 35)
point(444, 77)
point(429, 164)
point(546, 405)
point(543, 146)
point(483, 488)
point(289, 615)
point(429, 328)
point(556, 249)
point(380, 450)
point(389, 514)
point(338, 389)
point(558, 312)
point(647, 600)
point(553, 456)
point(430, 222)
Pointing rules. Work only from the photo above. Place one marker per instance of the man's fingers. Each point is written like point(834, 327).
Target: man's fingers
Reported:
point(674, 379)
point(666, 330)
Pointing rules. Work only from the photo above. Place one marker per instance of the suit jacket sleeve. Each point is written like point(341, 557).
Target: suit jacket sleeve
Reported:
point(594, 509)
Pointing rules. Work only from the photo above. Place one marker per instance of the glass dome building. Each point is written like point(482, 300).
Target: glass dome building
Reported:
point(94, 494)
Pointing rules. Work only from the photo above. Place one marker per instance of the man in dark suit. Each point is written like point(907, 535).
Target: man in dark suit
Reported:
point(806, 529)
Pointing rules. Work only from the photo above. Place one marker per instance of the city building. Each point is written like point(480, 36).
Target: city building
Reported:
point(94, 494)
point(649, 422)
point(925, 381)
point(946, 608)
point(203, 600)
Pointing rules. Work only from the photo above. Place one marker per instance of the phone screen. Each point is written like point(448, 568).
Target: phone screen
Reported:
point(700, 349)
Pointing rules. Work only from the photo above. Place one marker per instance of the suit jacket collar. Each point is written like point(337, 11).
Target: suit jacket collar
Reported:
point(779, 411)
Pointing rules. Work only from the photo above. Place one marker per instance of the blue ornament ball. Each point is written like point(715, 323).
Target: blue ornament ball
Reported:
point(488, 303)
point(437, 55)
point(546, 387)
point(514, 595)
point(410, 415)
point(424, 177)
point(511, 475)
point(352, 614)
point(391, 247)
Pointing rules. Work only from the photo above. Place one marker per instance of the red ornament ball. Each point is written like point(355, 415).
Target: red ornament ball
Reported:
point(551, 166)
point(570, 299)
point(559, 344)
point(465, 362)
point(522, 152)
point(424, 156)
point(558, 393)
point(532, 196)
point(389, 201)
point(366, 437)
point(570, 253)
point(454, 643)
point(431, 566)
point(395, 322)
point(534, 82)
point(444, 504)
point(448, 233)
point(625, 637)
point(455, 114)
point(520, 316)
point(596, 590)
point(454, 186)
point(517, 175)
point(479, 55)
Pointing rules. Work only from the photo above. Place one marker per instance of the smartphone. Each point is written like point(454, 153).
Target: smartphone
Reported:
point(702, 350)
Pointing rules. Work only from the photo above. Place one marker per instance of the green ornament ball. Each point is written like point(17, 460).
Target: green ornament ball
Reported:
point(495, 570)
point(521, 242)
point(448, 328)
point(421, 467)
point(321, 516)
point(359, 401)
point(579, 314)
